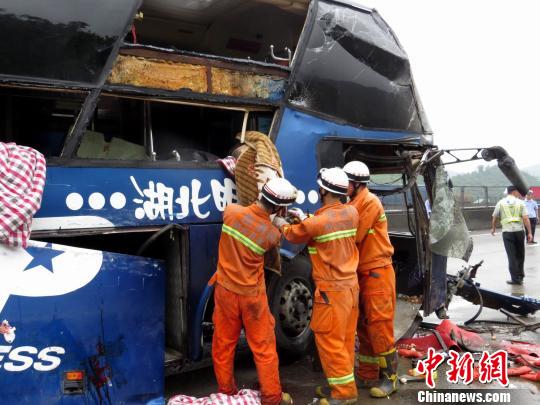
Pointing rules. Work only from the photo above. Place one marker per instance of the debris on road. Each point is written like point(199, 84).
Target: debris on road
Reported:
point(515, 371)
point(523, 358)
point(447, 335)
point(414, 376)
point(411, 352)
point(531, 376)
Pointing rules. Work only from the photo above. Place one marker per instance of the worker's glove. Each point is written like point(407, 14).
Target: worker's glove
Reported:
point(297, 213)
point(279, 222)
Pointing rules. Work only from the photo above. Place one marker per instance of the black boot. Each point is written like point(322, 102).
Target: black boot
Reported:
point(389, 382)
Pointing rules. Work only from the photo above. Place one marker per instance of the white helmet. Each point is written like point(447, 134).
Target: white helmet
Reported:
point(279, 192)
point(357, 171)
point(334, 180)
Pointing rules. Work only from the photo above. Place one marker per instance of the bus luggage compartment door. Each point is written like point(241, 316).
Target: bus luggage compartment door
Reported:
point(71, 313)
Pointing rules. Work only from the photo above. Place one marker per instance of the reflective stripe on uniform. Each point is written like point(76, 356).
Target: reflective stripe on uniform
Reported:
point(392, 350)
point(368, 359)
point(335, 235)
point(382, 218)
point(312, 250)
point(371, 231)
point(510, 213)
point(243, 239)
point(341, 380)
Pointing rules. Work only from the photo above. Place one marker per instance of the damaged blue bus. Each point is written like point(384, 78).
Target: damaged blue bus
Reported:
point(133, 103)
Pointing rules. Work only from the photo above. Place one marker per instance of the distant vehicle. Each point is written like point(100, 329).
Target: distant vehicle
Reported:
point(536, 192)
point(132, 111)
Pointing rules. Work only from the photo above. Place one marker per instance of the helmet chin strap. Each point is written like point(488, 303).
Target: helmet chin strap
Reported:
point(274, 210)
point(322, 193)
point(355, 188)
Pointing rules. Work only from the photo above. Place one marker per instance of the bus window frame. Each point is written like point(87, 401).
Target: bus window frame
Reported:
point(74, 161)
point(409, 141)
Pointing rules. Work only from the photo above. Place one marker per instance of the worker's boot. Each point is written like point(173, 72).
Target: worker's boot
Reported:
point(367, 384)
point(389, 381)
point(286, 399)
point(322, 391)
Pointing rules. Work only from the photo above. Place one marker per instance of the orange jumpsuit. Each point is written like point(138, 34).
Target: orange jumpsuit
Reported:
point(330, 235)
point(377, 282)
point(240, 299)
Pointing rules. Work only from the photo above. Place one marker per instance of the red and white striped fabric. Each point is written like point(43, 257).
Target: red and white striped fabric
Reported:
point(244, 397)
point(22, 179)
point(229, 164)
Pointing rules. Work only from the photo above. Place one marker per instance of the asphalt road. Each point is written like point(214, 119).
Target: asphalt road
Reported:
point(299, 378)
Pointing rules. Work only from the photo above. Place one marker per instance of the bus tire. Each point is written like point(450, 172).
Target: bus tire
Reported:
point(291, 302)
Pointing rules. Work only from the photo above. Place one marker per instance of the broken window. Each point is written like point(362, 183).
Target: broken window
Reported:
point(234, 28)
point(38, 119)
point(395, 205)
point(353, 69)
point(188, 133)
point(137, 129)
point(115, 132)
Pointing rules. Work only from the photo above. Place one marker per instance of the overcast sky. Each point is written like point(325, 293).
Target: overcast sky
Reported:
point(477, 66)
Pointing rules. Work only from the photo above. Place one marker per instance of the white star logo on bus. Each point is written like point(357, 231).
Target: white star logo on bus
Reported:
point(45, 270)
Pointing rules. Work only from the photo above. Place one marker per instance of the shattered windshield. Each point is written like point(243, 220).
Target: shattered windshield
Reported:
point(448, 234)
point(353, 69)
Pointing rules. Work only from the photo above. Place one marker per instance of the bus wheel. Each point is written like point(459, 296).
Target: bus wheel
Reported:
point(291, 303)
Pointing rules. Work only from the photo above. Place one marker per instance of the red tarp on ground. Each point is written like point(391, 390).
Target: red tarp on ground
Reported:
point(453, 336)
point(516, 347)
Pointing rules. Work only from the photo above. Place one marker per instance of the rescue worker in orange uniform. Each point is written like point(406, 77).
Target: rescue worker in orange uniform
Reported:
point(240, 293)
point(330, 235)
point(377, 281)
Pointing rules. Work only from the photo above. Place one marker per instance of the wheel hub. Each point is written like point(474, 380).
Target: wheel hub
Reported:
point(296, 304)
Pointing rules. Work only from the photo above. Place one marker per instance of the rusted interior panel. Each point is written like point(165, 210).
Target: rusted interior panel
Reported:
point(241, 84)
point(158, 74)
point(165, 71)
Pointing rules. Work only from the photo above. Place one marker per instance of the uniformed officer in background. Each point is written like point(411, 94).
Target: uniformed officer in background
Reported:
point(513, 216)
point(532, 212)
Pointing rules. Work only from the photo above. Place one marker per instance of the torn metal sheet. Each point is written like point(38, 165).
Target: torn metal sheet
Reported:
point(407, 312)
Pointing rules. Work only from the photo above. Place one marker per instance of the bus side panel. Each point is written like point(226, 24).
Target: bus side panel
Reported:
point(203, 251)
point(103, 197)
point(78, 309)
